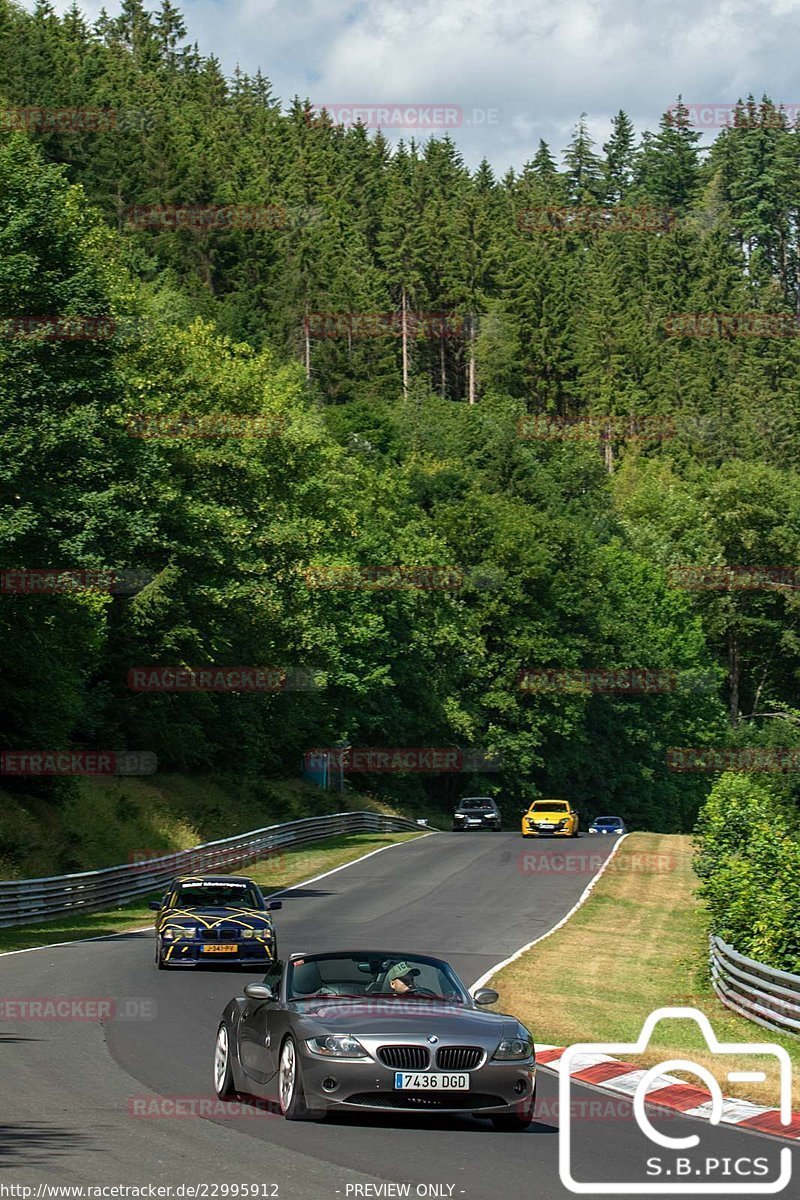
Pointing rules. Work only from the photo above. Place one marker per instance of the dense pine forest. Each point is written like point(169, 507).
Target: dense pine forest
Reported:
point(458, 371)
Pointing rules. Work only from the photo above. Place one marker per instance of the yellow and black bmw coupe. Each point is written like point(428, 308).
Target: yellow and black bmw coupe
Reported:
point(214, 919)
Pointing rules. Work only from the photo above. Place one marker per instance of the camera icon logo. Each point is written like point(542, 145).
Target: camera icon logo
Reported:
point(674, 1172)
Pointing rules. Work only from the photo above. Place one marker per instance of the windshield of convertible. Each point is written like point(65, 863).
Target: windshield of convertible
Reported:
point(217, 895)
point(376, 975)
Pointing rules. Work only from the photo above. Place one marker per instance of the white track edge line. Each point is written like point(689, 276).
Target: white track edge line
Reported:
point(587, 891)
point(103, 937)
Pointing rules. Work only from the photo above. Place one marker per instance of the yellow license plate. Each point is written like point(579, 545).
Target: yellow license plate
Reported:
point(220, 949)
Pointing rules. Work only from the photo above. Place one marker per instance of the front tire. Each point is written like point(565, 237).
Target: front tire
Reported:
point(291, 1094)
point(162, 966)
point(223, 1071)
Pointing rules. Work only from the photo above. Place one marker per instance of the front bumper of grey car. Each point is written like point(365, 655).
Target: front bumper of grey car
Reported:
point(495, 1086)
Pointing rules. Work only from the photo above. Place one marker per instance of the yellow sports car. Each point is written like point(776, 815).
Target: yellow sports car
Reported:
point(550, 817)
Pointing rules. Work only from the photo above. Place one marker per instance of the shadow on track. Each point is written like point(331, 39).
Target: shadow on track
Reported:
point(34, 1145)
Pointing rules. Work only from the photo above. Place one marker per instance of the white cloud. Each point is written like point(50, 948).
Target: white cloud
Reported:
point(540, 63)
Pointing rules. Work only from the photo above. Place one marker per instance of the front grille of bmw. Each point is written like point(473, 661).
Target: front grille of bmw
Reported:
point(404, 1058)
point(459, 1058)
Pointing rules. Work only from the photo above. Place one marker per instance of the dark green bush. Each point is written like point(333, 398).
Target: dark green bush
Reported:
point(748, 857)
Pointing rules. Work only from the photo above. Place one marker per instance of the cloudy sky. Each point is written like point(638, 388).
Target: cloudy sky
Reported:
point(508, 71)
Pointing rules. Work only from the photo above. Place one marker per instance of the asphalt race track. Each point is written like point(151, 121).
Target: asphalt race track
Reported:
point(67, 1087)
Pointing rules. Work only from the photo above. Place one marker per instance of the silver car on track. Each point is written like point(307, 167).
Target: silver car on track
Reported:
point(372, 1030)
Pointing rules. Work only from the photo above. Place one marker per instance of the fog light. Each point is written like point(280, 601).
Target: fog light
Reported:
point(521, 1086)
point(330, 1084)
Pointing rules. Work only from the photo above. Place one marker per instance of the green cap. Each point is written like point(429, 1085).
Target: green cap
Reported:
point(399, 970)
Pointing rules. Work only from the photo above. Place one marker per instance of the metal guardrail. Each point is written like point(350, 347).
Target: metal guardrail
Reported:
point(762, 994)
point(25, 901)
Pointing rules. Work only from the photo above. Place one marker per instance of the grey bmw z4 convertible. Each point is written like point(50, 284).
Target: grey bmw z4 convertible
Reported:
point(372, 1030)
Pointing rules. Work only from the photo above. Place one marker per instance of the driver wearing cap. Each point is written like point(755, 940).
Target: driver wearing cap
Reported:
point(401, 978)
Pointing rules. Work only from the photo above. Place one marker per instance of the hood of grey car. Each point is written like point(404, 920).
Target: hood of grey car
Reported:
point(403, 1018)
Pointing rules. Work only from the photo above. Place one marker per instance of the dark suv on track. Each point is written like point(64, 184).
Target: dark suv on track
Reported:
point(477, 812)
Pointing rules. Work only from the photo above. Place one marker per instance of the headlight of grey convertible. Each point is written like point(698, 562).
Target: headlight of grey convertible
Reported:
point(513, 1050)
point(337, 1045)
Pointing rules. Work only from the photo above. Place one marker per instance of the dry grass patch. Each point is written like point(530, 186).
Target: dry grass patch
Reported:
point(640, 942)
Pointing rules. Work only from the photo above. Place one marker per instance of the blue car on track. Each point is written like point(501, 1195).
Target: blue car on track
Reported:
point(608, 825)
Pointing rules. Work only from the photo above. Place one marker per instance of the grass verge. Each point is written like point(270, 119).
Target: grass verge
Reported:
point(275, 872)
point(639, 942)
point(100, 821)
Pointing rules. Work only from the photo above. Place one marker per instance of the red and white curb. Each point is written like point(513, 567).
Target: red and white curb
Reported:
point(667, 1091)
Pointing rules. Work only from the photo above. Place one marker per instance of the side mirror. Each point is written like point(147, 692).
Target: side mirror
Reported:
point(274, 904)
point(259, 991)
point(155, 905)
point(482, 996)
